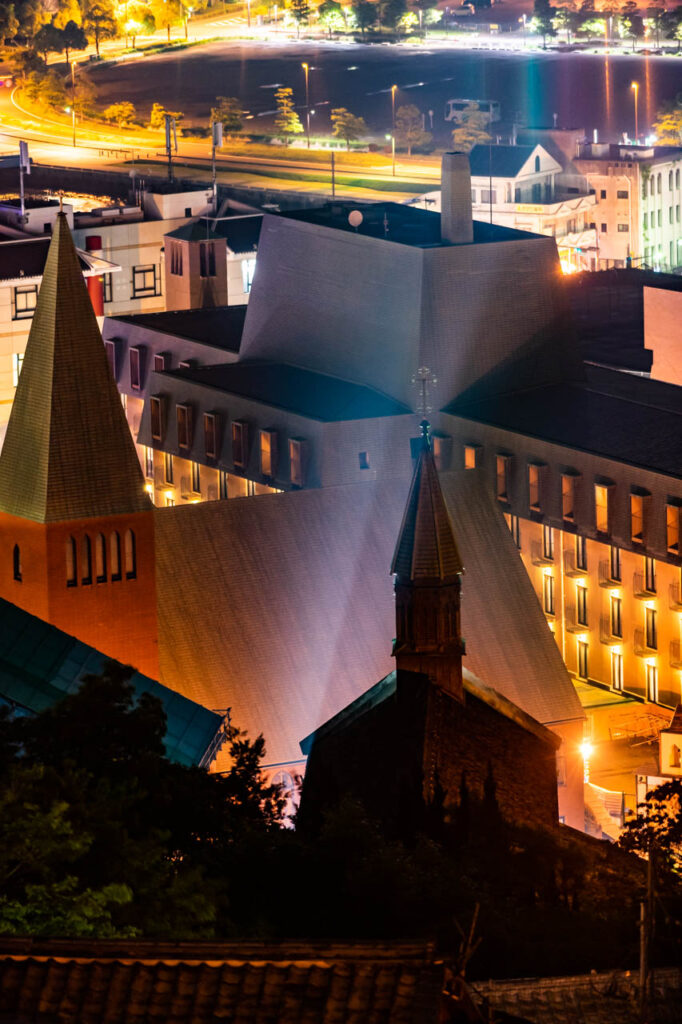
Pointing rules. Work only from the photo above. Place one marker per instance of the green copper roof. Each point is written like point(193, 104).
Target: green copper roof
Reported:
point(39, 665)
point(68, 453)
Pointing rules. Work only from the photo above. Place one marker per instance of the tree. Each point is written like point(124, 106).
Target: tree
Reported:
point(566, 20)
point(409, 131)
point(287, 120)
point(229, 112)
point(300, 12)
point(68, 10)
point(26, 62)
point(391, 12)
point(632, 27)
point(140, 20)
point(9, 23)
point(122, 114)
point(166, 13)
point(542, 23)
point(347, 126)
point(157, 117)
point(48, 39)
point(365, 14)
point(471, 130)
point(31, 14)
point(331, 16)
point(668, 123)
point(424, 7)
point(99, 23)
point(73, 38)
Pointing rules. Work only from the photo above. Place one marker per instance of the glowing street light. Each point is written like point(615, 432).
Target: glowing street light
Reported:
point(392, 138)
point(306, 70)
point(635, 88)
point(394, 89)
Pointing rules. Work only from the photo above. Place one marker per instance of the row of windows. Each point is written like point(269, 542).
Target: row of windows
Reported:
point(268, 441)
point(82, 567)
point(146, 281)
point(656, 182)
point(612, 626)
point(537, 474)
point(651, 671)
point(656, 218)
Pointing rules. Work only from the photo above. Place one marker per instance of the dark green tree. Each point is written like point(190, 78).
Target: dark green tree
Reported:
point(230, 112)
point(347, 126)
point(409, 131)
point(100, 23)
point(365, 14)
point(543, 19)
point(300, 12)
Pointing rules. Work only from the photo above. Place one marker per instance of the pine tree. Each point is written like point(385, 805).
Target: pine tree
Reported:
point(347, 126)
point(287, 120)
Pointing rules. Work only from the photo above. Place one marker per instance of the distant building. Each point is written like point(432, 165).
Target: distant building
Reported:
point(211, 261)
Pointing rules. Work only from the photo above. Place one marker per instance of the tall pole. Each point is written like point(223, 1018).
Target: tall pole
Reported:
point(635, 88)
point(333, 174)
point(392, 138)
point(306, 69)
point(393, 92)
point(73, 105)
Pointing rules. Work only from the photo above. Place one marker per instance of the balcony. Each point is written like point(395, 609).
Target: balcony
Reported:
point(537, 554)
point(606, 634)
point(675, 597)
point(570, 566)
point(605, 577)
point(640, 587)
point(675, 657)
point(642, 649)
point(571, 621)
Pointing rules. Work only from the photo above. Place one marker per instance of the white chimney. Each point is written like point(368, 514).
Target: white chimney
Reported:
point(456, 221)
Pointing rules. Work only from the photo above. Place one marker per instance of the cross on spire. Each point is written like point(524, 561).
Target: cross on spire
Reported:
point(422, 380)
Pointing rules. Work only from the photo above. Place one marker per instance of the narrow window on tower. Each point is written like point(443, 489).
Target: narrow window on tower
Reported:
point(515, 528)
point(601, 508)
point(16, 563)
point(135, 356)
point(156, 409)
point(672, 517)
point(240, 451)
point(548, 542)
point(115, 555)
point(617, 670)
point(652, 683)
point(184, 420)
point(71, 566)
point(100, 558)
point(502, 463)
point(614, 563)
point(210, 435)
point(268, 452)
point(637, 518)
point(534, 487)
point(86, 560)
point(297, 461)
point(568, 497)
point(130, 555)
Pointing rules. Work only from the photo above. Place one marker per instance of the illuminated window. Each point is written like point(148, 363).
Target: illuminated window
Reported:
point(24, 299)
point(130, 555)
point(637, 518)
point(581, 604)
point(196, 477)
point(623, 228)
point(86, 560)
point(616, 670)
point(297, 461)
point(148, 461)
point(651, 629)
point(650, 575)
point(146, 281)
point(582, 659)
point(107, 288)
point(170, 501)
point(168, 467)
point(135, 358)
point(503, 465)
point(248, 271)
point(672, 523)
point(614, 563)
point(100, 558)
point(71, 567)
point(184, 420)
point(616, 616)
point(601, 508)
point(548, 594)
point(161, 361)
point(675, 756)
point(652, 683)
point(240, 448)
point(16, 563)
point(17, 363)
point(568, 497)
point(441, 445)
point(115, 556)
point(224, 484)
point(156, 409)
point(580, 552)
point(211, 435)
point(534, 487)
point(547, 542)
point(470, 456)
point(207, 259)
point(515, 527)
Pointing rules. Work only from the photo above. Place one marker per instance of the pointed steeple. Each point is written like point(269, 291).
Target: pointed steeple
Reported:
point(428, 570)
point(68, 453)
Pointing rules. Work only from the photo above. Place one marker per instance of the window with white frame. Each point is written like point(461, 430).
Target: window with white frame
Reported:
point(24, 299)
point(248, 270)
point(17, 363)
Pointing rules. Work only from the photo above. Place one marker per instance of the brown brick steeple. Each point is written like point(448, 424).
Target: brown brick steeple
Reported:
point(428, 570)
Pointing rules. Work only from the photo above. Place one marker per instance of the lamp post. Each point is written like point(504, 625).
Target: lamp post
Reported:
point(635, 89)
point(392, 138)
point(393, 92)
point(73, 104)
point(306, 69)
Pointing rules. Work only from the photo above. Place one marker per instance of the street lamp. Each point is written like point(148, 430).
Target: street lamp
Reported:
point(306, 69)
point(73, 104)
point(635, 88)
point(393, 92)
point(392, 138)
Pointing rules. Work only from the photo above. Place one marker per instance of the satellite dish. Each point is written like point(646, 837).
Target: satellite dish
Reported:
point(355, 219)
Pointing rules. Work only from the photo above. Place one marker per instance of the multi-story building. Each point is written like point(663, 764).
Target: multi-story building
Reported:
point(211, 261)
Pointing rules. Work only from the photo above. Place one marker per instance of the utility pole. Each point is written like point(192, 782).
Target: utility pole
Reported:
point(333, 174)
point(171, 139)
point(24, 168)
point(217, 141)
point(73, 104)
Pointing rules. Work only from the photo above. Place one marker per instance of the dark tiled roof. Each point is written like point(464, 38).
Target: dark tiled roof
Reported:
point(220, 327)
point(504, 161)
point(305, 392)
point(198, 983)
point(68, 453)
point(426, 548)
point(609, 423)
point(26, 258)
point(39, 665)
point(240, 233)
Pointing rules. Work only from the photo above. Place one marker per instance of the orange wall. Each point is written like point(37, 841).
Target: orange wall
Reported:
point(662, 316)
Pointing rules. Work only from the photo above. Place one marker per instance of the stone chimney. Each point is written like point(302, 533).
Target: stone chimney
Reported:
point(456, 222)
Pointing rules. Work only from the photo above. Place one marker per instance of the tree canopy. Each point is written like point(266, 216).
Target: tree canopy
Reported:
point(409, 130)
point(347, 126)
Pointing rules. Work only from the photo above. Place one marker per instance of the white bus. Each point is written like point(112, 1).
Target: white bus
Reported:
point(454, 109)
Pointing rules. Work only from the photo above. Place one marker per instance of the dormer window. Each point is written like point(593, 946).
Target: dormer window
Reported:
point(136, 359)
point(240, 437)
point(184, 419)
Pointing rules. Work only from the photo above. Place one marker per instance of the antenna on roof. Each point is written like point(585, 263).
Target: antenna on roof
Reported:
point(355, 219)
point(422, 380)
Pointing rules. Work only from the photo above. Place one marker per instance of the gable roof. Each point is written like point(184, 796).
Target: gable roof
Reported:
point(218, 326)
point(39, 665)
point(501, 161)
point(426, 548)
point(289, 654)
point(68, 453)
point(241, 233)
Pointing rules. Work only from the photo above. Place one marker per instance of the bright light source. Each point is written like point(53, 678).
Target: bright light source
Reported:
point(149, 488)
point(586, 749)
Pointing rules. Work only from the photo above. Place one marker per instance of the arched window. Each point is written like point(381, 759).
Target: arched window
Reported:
point(537, 164)
point(86, 560)
point(100, 558)
point(16, 563)
point(130, 556)
point(675, 756)
point(71, 568)
point(115, 556)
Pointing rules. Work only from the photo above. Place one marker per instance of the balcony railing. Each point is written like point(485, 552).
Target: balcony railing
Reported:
point(675, 597)
point(571, 568)
point(605, 577)
point(571, 621)
point(606, 634)
point(537, 554)
point(641, 587)
point(675, 654)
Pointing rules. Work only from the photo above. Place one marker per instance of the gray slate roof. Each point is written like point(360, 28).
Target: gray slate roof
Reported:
point(240, 233)
point(220, 326)
point(505, 161)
